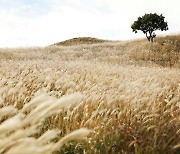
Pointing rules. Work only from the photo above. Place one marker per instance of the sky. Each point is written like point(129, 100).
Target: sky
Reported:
point(25, 23)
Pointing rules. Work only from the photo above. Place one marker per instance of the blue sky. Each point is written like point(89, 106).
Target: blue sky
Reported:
point(43, 22)
point(26, 8)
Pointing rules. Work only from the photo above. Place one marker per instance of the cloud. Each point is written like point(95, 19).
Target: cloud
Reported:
point(132, 9)
point(43, 22)
point(60, 23)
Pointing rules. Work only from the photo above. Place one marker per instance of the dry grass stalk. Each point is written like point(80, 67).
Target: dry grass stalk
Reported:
point(127, 92)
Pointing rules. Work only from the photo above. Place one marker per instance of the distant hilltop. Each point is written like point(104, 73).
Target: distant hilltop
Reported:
point(80, 40)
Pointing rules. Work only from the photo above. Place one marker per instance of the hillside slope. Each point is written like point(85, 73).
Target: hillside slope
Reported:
point(165, 51)
point(80, 40)
point(117, 97)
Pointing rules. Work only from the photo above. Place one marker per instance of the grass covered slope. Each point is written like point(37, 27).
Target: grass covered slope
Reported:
point(80, 40)
point(113, 97)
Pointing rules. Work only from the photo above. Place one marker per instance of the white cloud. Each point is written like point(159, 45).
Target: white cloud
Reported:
point(66, 23)
point(108, 19)
point(132, 9)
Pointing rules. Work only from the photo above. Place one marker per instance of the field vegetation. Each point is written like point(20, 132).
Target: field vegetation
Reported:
point(105, 97)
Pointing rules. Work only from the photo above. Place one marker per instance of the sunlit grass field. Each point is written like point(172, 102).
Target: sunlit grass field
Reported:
point(107, 97)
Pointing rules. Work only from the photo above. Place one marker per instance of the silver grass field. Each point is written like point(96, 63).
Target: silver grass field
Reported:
point(112, 97)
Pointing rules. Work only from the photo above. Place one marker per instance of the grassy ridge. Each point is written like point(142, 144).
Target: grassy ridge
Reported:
point(118, 97)
point(80, 40)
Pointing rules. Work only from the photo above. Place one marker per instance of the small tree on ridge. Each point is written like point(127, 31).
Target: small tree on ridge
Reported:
point(148, 24)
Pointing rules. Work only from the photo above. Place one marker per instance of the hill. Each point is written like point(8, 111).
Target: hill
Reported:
point(119, 97)
point(80, 40)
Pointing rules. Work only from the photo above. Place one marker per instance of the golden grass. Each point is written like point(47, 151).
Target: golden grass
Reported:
point(118, 97)
point(18, 133)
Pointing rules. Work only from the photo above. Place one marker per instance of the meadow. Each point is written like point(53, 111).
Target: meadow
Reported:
point(107, 97)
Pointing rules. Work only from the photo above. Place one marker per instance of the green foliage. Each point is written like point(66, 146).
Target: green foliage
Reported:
point(73, 148)
point(150, 23)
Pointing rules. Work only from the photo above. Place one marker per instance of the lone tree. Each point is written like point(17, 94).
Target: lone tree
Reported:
point(148, 24)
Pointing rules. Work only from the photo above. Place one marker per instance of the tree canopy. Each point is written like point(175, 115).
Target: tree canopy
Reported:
point(150, 23)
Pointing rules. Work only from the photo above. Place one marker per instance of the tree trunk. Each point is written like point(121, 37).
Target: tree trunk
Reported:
point(150, 37)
